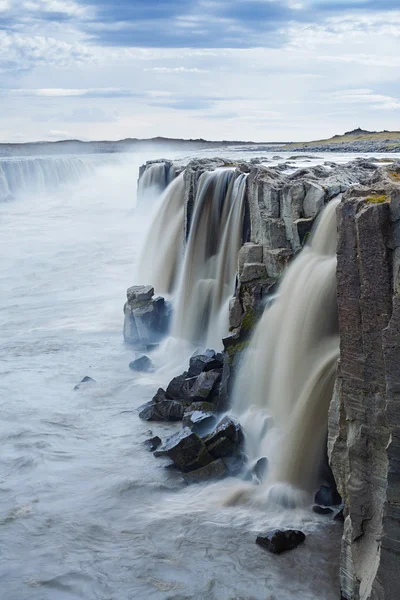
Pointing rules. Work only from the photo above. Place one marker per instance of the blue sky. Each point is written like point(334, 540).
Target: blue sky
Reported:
point(239, 69)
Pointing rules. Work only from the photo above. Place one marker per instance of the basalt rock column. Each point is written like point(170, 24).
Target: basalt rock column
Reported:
point(364, 422)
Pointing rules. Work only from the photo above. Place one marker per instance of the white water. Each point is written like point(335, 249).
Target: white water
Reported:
point(86, 513)
point(210, 262)
point(162, 251)
point(286, 380)
point(154, 180)
point(41, 175)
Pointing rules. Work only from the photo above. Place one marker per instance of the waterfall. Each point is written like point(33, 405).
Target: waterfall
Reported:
point(155, 179)
point(163, 247)
point(40, 175)
point(285, 382)
point(208, 274)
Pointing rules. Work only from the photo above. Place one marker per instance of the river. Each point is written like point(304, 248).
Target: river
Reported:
point(86, 512)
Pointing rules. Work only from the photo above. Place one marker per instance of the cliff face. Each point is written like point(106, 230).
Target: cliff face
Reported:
point(364, 422)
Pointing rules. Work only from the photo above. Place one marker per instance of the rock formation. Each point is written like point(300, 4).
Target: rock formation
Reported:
point(364, 422)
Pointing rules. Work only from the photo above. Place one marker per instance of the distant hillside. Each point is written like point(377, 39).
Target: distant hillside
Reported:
point(126, 145)
point(357, 140)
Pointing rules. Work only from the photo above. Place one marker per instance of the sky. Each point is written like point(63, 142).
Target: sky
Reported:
point(261, 70)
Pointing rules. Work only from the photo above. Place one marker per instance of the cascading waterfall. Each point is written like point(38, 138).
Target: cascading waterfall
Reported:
point(40, 175)
point(210, 264)
point(163, 248)
point(286, 379)
point(155, 180)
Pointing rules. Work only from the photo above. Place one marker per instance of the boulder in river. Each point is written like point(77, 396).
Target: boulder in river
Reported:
point(278, 541)
point(161, 408)
point(85, 380)
point(153, 443)
point(205, 362)
point(187, 450)
point(142, 364)
point(206, 386)
point(211, 472)
point(146, 318)
point(179, 387)
point(322, 510)
point(200, 417)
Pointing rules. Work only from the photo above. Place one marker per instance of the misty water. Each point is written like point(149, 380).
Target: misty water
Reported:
point(86, 512)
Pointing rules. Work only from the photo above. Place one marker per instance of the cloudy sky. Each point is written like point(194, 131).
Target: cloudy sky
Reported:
point(218, 69)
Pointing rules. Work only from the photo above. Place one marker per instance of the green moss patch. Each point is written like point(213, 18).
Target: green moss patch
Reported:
point(377, 199)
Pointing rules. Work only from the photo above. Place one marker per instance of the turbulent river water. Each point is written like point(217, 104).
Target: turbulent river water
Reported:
point(85, 511)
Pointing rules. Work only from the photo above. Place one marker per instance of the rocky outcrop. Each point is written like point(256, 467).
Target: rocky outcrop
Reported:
point(364, 420)
point(146, 318)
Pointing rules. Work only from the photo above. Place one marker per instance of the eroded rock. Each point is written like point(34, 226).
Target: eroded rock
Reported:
point(279, 541)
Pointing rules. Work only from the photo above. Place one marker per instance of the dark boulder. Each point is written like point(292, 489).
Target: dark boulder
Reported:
point(278, 541)
point(179, 387)
point(142, 364)
point(161, 408)
point(152, 443)
point(211, 472)
point(339, 516)
point(229, 428)
point(186, 449)
point(86, 379)
point(327, 495)
point(206, 386)
point(199, 416)
point(322, 510)
point(146, 318)
point(222, 448)
point(205, 362)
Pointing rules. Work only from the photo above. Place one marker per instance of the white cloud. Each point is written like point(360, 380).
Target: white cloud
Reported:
point(176, 70)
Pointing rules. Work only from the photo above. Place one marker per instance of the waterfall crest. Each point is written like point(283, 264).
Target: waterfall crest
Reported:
point(41, 174)
point(154, 180)
point(286, 379)
point(210, 263)
point(163, 247)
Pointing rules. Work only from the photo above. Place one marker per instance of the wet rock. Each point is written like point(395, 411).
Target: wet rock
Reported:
point(200, 417)
point(339, 516)
point(327, 496)
point(186, 449)
point(179, 387)
point(86, 379)
point(211, 472)
point(206, 386)
point(146, 319)
point(140, 293)
point(205, 362)
point(142, 364)
point(152, 443)
point(278, 541)
point(260, 468)
point(222, 448)
point(322, 510)
point(227, 428)
point(253, 271)
point(161, 408)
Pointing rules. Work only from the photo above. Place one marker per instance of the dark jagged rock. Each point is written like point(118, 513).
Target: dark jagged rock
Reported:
point(153, 443)
point(186, 449)
point(200, 417)
point(278, 541)
point(205, 362)
point(206, 386)
point(142, 364)
point(161, 408)
point(228, 428)
point(339, 516)
point(222, 448)
point(211, 472)
point(179, 387)
point(327, 496)
point(86, 379)
point(322, 510)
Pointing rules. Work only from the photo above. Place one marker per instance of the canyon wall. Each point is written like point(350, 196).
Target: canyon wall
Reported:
point(364, 422)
